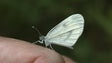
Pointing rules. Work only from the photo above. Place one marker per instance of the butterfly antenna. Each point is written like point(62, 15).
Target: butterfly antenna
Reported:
point(37, 30)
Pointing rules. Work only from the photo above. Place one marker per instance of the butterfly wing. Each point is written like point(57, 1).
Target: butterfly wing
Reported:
point(67, 32)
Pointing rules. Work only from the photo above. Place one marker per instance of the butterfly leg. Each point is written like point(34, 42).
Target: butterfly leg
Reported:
point(37, 42)
point(42, 42)
point(51, 47)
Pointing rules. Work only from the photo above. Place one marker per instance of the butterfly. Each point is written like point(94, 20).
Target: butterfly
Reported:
point(65, 33)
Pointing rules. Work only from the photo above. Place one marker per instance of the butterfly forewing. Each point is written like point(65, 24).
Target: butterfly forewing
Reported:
point(67, 32)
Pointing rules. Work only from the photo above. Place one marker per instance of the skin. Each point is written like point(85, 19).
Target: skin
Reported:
point(18, 51)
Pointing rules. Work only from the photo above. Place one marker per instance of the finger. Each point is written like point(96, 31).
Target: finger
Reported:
point(17, 51)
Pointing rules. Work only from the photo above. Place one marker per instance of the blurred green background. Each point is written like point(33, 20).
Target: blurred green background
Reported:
point(95, 44)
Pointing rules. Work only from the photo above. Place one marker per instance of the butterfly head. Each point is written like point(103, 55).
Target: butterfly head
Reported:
point(42, 38)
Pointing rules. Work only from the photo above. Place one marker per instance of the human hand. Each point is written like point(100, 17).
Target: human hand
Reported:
point(17, 51)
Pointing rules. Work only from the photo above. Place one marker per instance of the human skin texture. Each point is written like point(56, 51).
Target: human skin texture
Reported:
point(18, 51)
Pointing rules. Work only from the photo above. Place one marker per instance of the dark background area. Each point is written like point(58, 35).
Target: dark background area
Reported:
point(95, 44)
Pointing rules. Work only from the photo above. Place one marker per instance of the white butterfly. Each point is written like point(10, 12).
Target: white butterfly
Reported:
point(65, 33)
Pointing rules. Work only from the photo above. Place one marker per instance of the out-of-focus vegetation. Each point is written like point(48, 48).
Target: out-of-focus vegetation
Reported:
point(95, 44)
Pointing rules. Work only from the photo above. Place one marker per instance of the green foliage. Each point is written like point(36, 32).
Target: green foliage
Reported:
point(94, 46)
